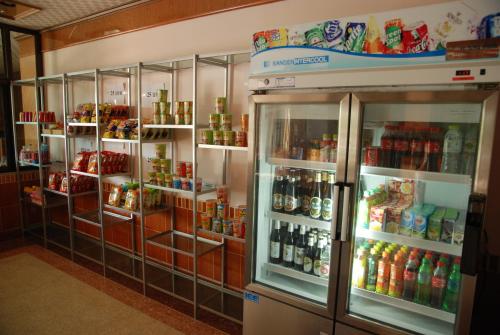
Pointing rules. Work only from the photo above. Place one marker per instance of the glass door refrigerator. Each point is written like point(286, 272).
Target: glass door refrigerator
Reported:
point(297, 162)
point(417, 176)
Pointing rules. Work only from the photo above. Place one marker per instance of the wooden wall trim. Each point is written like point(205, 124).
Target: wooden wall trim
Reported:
point(142, 16)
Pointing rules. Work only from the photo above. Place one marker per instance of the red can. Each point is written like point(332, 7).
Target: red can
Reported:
point(189, 170)
point(180, 168)
point(416, 38)
point(372, 156)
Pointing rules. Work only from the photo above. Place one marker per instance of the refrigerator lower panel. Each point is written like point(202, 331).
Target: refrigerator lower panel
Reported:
point(268, 317)
point(342, 329)
point(368, 308)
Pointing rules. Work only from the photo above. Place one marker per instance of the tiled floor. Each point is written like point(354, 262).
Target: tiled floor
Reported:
point(171, 311)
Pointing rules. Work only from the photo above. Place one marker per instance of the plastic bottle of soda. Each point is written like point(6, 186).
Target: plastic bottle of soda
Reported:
point(396, 277)
point(433, 149)
point(452, 289)
point(387, 146)
point(438, 285)
point(452, 149)
point(401, 146)
point(410, 278)
point(383, 273)
point(424, 282)
point(417, 148)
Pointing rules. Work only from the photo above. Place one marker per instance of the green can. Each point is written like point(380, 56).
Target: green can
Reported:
point(226, 121)
point(214, 121)
point(207, 136)
point(229, 136)
point(218, 137)
point(221, 105)
point(162, 95)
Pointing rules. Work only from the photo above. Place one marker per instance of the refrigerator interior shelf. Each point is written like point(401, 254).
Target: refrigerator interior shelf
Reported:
point(406, 305)
point(289, 272)
point(300, 220)
point(302, 164)
point(222, 147)
point(417, 175)
point(441, 247)
point(25, 122)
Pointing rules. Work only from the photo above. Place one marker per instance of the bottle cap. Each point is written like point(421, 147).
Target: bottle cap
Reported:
point(440, 264)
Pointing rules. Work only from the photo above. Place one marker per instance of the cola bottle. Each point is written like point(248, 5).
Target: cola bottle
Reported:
point(433, 149)
point(401, 146)
point(416, 148)
point(387, 146)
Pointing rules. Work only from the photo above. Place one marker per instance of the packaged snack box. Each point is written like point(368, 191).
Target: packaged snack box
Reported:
point(435, 224)
point(449, 220)
point(459, 229)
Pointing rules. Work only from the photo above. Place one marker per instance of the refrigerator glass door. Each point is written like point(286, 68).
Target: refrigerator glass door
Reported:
point(416, 162)
point(296, 142)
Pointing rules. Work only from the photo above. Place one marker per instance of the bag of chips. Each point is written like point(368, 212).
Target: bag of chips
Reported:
point(115, 196)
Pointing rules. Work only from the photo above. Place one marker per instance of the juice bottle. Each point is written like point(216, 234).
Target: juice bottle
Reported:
point(409, 278)
point(396, 277)
point(359, 268)
point(383, 274)
point(371, 278)
point(424, 279)
point(438, 285)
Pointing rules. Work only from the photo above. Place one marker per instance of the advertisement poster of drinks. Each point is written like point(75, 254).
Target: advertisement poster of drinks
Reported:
point(409, 36)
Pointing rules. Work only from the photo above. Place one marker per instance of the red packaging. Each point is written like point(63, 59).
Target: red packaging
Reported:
point(180, 168)
point(122, 165)
point(416, 38)
point(393, 36)
point(372, 156)
point(189, 170)
point(81, 161)
point(92, 165)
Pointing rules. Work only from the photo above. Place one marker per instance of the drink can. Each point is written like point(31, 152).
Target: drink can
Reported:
point(226, 121)
point(227, 227)
point(394, 36)
point(189, 170)
point(218, 137)
point(185, 185)
point(416, 38)
point(156, 164)
point(211, 207)
point(216, 225)
point(244, 122)
point(152, 178)
point(333, 33)
point(206, 221)
point(179, 107)
point(207, 136)
point(21, 117)
point(222, 194)
point(220, 105)
point(166, 165)
point(214, 121)
point(372, 156)
point(241, 139)
point(180, 169)
point(179, 118)
point(160, 150)
point(176, 182)
point(156, 111)
point(223, 211)
point(314, 37)
point(188, 107)
point(354, 38)
point(168, 180)
point(162, 95)
point(229, 137)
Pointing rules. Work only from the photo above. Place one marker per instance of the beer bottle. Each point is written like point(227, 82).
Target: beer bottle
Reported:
point(291, 200)
point(295, 233)
point(278, 194)
point(298, 187)
point(276, 244)
point(315, 210)
point(317, 258)
point(309, 255)
point(288, 247)
point(324, 182)
point(284, 186)
point(327, 203)
point(300, 247)
point(306, 196)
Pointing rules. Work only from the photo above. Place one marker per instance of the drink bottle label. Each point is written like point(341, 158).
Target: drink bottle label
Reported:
point(408, 275)
point(307, 264)
point(317, 267)
point(290, 203)
point(326, 210)
point(277, 201)
point(275, 249)
point(299, 256)
point(453, 285)
point(288, 253)
point(315, 210)
point(438, 282)
point(433, 147)
point(324, 269)
point(386, 143)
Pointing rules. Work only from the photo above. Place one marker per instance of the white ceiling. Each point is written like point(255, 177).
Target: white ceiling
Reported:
point(57, 12)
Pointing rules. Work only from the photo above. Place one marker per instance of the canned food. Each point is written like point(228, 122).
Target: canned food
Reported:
point(180, 169)
point(211, 206)
point(164, 107)
point(216, 225)
point(188, 107)
point(176, 182)
point(220, 105)
point(214, 121)
point(241, 139)
point(218, 137)
point(163, 118)
point(223, 211)
point(226, 121)
point(162, 95)
point(179, 107)
point(206, 221)
point(161, 151)
point(222, 194)
point(207, 136)
point(152, 178)
point(179, 118)
point(227, 227)
point(244, 122)
point(156, 113)
point(185, 185)
point(168, 180)
point(156, 164)
point(160, 179)
point(189, 170)
point(166, 165)
point(229, 137)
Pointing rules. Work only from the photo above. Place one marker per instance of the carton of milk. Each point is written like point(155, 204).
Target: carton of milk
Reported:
point(435, 224)
point(449, 221)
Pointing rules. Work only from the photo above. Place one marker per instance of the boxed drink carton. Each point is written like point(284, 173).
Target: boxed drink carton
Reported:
point(435, 224)
point(407, 220)
point(377, 217)
point(393, 217)
point(449, 220)
point(421, 221)
point(459, 229)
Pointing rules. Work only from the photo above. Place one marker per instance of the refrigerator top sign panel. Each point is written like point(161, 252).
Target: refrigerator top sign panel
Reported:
point(413, 36)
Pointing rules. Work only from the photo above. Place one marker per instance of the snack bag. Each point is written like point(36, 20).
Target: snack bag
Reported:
point(115, 196)
point(64, 185)
point(92, 165)
point(81, 161)
point(131, 200)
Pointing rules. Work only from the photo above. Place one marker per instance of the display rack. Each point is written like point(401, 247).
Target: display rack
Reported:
point(130, 262)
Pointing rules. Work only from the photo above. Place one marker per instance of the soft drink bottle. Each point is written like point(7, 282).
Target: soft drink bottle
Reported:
point(452, 289)
point(417, 148)
point(469, 151)
point(410, 278)
point(401, 146)
point(383, 274)
point(433, 150)
point(396, 277)
point(371, 278)
point(424, 279)
point(387, 146)
point(452, 148)
point(438, 285)
point(359, 269)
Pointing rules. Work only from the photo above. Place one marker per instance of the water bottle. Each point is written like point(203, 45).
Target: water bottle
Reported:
point(469, 151)
point(452, 149)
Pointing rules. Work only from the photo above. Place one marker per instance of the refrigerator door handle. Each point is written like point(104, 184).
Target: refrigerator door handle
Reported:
point(335, 219)
point(345, 212)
